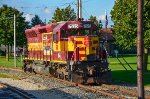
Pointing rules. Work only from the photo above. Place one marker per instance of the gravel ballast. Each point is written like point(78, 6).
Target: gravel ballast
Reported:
point(44, 88)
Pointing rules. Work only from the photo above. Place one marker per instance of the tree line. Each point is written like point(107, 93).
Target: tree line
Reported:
point(7, 22)
point(123, 14)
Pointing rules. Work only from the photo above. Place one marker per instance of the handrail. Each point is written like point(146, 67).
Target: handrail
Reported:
point(105, 50)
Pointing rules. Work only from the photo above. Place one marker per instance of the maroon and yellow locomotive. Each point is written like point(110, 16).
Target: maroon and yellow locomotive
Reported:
point(68, 50)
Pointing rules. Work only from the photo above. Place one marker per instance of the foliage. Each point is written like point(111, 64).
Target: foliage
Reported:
point(2, 53)
point(95, 21)
point(124, 16)
point(100, 24)
point(7, 26)
point(36, 20)
point(65, 14)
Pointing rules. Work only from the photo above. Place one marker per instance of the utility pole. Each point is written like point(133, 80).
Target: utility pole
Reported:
point(15, 40)
point(140, 80)
point(79, 9)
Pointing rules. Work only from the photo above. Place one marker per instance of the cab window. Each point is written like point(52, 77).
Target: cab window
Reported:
point(73, 32)
point(94, 32)
point(55, 37)
point(64, 34)
point(85, 32)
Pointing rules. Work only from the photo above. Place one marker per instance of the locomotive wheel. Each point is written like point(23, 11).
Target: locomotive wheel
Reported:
point(61, 76)
point(77, 78)
point(24, 68)
point(33, 71)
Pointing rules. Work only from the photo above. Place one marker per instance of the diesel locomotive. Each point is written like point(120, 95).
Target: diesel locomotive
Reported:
point(68, 50)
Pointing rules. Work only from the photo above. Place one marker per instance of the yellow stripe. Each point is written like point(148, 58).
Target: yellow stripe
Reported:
point(35, 46)
point(84, 58)
point(48, 33)
point(45, 60)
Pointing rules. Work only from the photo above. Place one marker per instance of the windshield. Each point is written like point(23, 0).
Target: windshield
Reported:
point(85, 32)
point(73, 32)
point(94, 32)
point(76, 32)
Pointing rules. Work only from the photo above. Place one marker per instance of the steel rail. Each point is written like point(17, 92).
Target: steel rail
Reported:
point(89, 88)
point(132, 93)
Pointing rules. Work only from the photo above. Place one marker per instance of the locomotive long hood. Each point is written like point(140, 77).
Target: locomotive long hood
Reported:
point(52, 27)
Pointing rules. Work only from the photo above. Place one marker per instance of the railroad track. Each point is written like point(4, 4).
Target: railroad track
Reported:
point(9, 92)
point(131, 92)
point(89, 88)
point(116, 92)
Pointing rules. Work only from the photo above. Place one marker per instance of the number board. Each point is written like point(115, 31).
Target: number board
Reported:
point(73, 26)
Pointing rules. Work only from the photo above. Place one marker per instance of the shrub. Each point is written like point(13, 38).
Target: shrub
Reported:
point(2, 53)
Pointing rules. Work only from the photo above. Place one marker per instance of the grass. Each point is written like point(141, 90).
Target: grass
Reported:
point(130, 76)
point(10, 63)
point(2, 75)
point(118, 72)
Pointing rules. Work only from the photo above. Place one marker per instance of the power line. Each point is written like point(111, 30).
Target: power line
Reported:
point(86, 1)
point(85, 12)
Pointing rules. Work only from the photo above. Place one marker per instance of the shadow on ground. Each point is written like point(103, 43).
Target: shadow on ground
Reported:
point(130, 76)
point(51, 93)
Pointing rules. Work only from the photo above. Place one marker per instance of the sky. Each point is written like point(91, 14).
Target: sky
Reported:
point(45, 8)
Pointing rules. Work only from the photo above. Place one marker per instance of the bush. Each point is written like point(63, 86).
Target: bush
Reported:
point(2, 53)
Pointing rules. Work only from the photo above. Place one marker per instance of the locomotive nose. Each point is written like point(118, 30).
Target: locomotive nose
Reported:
point(87, 41)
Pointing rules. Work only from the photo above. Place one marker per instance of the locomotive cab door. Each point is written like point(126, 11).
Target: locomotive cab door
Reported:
point(47, 46)
point(55, 41)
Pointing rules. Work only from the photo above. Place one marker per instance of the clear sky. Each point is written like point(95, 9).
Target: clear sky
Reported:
point(46, 8)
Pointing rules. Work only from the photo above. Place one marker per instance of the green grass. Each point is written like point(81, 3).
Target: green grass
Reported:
point(10, 63)
point(118, 72)
point(2, 75)
point(130, 76)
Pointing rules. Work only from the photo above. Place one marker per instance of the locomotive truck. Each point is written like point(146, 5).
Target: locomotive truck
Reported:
point(68, 50)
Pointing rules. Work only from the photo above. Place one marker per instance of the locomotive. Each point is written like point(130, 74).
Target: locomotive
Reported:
point(68, 50)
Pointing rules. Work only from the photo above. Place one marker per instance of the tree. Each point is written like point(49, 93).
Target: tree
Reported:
point(36, 20)
point(96, 22)
point(124, 16)
point(65, 14)
point(100, 24)
point(7, 27)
